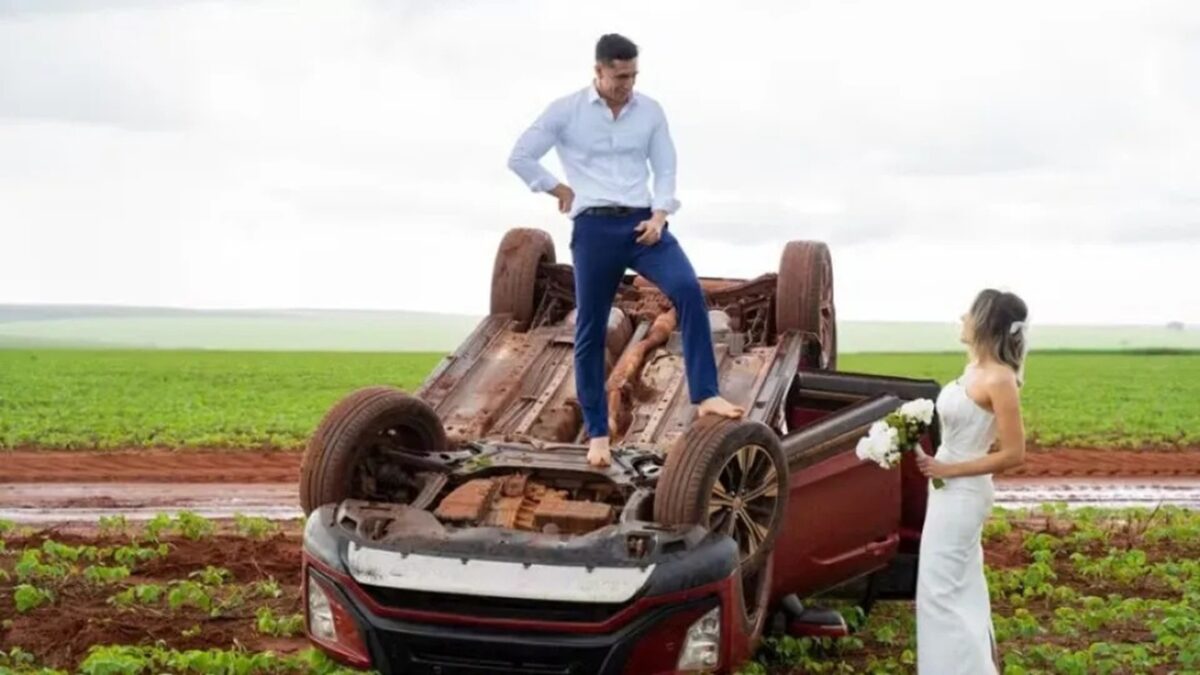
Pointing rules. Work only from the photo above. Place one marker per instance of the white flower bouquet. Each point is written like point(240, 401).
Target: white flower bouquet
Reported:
point(897, 433)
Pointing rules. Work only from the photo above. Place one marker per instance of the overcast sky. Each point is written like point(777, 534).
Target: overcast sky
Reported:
point(342, 154)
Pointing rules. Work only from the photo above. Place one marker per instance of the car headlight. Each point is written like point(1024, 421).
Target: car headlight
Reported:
point(319, 542)
point(320, 613)
point(331, 626)
point(702, 647)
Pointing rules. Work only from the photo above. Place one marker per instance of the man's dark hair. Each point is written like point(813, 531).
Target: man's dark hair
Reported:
point(613, 47)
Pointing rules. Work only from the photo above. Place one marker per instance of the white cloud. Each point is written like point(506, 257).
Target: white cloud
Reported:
point(352, 154)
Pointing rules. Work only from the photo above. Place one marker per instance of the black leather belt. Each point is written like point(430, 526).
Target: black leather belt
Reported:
point(613, 211)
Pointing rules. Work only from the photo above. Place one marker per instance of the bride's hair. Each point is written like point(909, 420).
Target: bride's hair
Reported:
point(999, 322)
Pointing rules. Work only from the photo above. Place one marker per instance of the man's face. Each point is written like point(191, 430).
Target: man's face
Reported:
point(615, 81)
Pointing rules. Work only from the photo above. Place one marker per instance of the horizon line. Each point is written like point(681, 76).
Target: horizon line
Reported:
point(180, 308)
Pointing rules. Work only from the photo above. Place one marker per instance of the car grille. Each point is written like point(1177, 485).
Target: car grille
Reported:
point(451, 657)
point(493, 607)
point(435, 649)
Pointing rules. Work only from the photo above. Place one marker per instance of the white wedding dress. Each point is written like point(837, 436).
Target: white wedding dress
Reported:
point(954, 616)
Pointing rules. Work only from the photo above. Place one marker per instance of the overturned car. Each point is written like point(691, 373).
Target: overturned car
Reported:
point(460, 529)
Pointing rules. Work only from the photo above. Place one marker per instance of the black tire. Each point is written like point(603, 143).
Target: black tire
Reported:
point(755, 589)
point(350, 428)
point(515, 271)
point(804, 298)
point(704, 455)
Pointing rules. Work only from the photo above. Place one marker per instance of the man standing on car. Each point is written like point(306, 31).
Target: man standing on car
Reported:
point(605, 135)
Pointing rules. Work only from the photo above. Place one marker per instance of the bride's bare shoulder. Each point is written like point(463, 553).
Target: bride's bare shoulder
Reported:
point(999, 376)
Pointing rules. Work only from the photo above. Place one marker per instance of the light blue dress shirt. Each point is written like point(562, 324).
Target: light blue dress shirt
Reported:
point(607, 160)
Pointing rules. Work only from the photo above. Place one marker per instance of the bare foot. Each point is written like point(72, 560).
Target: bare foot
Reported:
point(719, 406)
point(599, 454)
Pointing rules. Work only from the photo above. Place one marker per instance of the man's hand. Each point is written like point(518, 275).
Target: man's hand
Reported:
point(566, 197)
point(650, 231)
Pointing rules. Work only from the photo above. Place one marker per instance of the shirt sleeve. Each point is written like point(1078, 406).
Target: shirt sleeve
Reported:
point(662, 164)
point(525, 159)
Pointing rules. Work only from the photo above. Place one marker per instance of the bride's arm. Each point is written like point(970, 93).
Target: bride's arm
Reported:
point(1010, 434)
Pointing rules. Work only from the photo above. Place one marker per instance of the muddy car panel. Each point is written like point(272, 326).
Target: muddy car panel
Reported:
point(505, 384)
point(844, 523)
point(495, 580)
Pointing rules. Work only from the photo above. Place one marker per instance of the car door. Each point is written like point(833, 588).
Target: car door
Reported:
point(846, 518)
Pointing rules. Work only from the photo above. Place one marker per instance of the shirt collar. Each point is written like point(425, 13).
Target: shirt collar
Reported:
point(594, 96)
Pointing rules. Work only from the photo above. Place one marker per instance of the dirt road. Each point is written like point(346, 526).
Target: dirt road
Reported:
point(249, 466)
point(51, 486)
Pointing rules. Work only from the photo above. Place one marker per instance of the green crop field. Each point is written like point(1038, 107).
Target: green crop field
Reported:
point(1077, 592)
point(1084, 399)
point(60, 398)
point(1073, 592)
point(107, 399)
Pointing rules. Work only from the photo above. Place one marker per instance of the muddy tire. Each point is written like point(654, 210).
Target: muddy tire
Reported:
point(515, 272)
point(755, 591)
point(730, 476)
point(804, 299)
point(360, 421)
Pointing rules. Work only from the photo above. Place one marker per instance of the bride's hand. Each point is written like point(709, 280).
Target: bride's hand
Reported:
point(930, 466)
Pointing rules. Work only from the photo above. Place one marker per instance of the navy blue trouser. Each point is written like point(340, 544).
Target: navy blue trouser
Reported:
point(602, 247)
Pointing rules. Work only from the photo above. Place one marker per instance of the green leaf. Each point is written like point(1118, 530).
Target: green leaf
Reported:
point(27, 598)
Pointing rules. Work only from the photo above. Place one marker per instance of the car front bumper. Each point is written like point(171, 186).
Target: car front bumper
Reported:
point(473, 617)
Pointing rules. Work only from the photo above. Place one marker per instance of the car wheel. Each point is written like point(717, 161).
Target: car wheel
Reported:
point(804, 299)
point(731, 476)
point(370, 418)
point(755, 600)
point(515, 273)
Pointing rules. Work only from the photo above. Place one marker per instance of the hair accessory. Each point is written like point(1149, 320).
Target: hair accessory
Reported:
point(1016, 327)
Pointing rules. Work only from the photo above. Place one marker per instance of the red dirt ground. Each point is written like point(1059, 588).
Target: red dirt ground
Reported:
point(149, 466)
point(1063, 462)
point(60, 634)
point(165, 466)
point(61, 638)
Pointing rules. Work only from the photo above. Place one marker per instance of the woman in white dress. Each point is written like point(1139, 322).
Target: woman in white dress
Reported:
point(954, 618)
